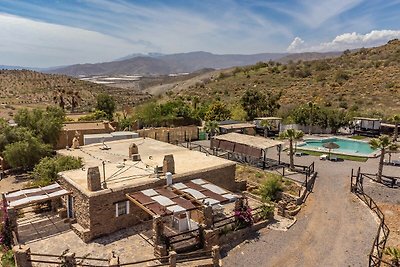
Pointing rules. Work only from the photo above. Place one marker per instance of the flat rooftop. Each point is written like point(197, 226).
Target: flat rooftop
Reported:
point(248, 140)
point(121, 172)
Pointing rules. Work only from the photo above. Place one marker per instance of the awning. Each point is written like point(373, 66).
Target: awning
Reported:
point(180, 197)
point(26, 197)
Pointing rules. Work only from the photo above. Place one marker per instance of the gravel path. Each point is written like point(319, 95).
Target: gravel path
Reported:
point(333, 229)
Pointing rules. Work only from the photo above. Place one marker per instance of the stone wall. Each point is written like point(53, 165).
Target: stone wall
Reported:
point(65, 137)
point(81, 204)
point(171, 135)
point(96, 214)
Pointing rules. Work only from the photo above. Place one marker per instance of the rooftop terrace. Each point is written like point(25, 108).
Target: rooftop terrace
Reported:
point(121, 172)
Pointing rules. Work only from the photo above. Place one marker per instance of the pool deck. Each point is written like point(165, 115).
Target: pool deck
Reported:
point(333, 151)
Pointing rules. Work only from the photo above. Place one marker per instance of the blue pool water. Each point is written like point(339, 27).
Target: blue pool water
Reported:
point(346, 146)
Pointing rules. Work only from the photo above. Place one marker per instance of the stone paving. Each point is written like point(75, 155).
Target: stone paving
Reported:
point(128, 244)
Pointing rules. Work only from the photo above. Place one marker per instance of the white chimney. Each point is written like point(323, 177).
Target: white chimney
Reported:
point(168, 177)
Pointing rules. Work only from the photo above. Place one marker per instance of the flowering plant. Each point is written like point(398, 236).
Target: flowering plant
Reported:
point(5, 232)
point(243, 216)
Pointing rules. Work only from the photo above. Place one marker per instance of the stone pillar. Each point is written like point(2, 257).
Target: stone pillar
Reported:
point(208, 217)
point(22, 256)
point(158, 230)
point(114, 260)
point(216, 256)
point(134, 152)
point(172, 259)
point(211, 239)
point(160, 248)
point(70, 260)
point(93, 179)
point(169, 164)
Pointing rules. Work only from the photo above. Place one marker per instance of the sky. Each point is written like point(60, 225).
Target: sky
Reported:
point(44, 33)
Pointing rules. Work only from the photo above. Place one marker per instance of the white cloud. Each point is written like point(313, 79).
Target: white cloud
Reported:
point(24, 41)
point(296, 45)
point(346, 41)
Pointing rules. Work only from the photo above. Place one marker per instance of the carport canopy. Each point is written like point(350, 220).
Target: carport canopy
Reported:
point(26, 197)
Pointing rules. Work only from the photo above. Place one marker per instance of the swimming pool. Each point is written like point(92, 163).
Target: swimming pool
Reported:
point(346, 146)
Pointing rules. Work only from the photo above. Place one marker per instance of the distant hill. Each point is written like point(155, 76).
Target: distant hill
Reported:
point(364, 80)
point(158, 64)
point(307, 56)
point(164, 64)
point(25, 88)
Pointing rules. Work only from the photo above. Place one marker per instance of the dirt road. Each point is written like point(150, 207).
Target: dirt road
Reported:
point(333, 229)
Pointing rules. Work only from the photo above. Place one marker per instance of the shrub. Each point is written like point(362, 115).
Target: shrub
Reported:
point(45, 172)
point(26, 154)
point(7, 260)
point(271, 188)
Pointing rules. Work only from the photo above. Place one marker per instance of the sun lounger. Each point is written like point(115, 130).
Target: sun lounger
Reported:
point(323, 157)
point(396, 162)
point(333, 159)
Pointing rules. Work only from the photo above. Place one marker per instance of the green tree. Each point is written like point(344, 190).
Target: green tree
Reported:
point(312, 108)
point(217, 112)
point(46, 124)
point(107, 104)
point(292, 135)
point(45, 172)
point(384, 144)
point(238, 113)
point(337, 119)
point(257, 104)
point(396, 121)
point(94, 116)
point(26, 154)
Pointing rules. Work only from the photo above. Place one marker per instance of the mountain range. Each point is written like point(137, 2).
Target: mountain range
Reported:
point(158, 64)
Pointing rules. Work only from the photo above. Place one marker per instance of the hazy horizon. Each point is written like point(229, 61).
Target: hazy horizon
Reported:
point(41, 33)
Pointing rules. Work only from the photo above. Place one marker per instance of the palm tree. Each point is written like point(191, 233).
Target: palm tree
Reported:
point(384, 144)
point(394, 254)
point(396, 120)
point(211, 127)
point(291, 135)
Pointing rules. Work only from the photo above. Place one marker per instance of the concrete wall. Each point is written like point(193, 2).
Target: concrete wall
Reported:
point(96, 214)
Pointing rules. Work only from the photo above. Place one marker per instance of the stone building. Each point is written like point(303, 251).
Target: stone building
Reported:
point(98, 201)
point(77, 130)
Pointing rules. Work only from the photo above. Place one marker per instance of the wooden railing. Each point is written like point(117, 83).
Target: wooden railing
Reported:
point(378, 247)
point(170, 260)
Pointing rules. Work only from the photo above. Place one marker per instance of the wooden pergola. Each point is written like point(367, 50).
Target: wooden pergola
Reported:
point(246, 145)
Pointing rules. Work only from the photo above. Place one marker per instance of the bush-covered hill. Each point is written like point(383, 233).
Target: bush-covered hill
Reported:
point(366, 80)
point(30, 88)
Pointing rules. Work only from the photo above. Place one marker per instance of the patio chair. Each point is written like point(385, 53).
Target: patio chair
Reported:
point(323, 157)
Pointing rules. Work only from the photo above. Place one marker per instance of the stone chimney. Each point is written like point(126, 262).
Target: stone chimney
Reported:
point(169, 164)
point(93, 179)
point(134, 152)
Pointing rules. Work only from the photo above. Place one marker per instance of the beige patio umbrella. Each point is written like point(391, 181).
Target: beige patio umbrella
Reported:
point(330, 146)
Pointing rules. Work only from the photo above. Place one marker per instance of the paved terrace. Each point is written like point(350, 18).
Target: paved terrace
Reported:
point(333, 229)
point(122, 172)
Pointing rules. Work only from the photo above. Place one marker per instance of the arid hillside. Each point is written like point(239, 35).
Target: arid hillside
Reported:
point(367, 80)
point(24, 88)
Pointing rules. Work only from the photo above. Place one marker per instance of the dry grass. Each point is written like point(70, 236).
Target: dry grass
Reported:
point(24, 88)
point(366, 80)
